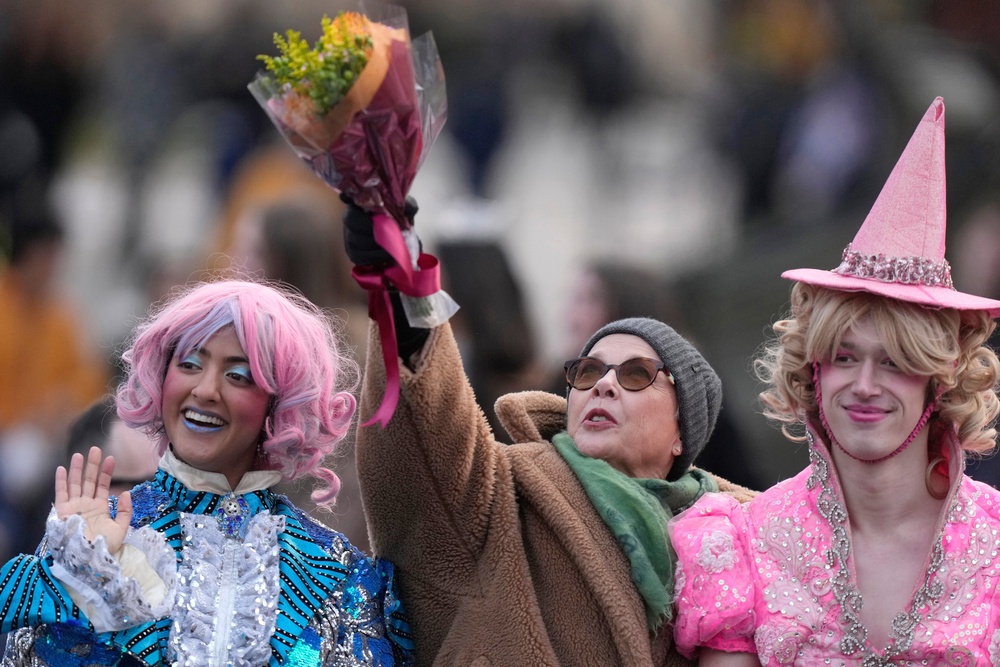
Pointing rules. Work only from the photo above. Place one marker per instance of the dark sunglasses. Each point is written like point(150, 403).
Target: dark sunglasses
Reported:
point(633, 375)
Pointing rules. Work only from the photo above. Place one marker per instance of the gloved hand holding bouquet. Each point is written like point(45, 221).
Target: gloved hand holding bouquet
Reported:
point(362, 108)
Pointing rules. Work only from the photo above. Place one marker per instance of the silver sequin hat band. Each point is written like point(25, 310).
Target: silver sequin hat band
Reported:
point(902, 270)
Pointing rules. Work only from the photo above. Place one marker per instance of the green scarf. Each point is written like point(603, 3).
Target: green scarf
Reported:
point(637, 510)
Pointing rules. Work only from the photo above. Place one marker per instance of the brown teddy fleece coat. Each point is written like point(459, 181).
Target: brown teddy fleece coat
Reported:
point(500, 556)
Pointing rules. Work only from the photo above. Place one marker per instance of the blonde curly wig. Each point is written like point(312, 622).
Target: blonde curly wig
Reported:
point(946, 345)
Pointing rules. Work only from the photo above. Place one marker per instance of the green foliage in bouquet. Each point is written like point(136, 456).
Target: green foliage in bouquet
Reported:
point(326, 71)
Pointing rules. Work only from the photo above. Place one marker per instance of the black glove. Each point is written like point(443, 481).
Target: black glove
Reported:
point(362, 250)
point(359, 234)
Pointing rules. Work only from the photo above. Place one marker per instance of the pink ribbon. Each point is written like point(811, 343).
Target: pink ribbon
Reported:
point(424, 281)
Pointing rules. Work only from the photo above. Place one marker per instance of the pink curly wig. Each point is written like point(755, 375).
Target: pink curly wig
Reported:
point(293, 351)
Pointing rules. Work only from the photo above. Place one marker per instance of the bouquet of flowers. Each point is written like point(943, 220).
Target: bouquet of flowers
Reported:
point(362, 107)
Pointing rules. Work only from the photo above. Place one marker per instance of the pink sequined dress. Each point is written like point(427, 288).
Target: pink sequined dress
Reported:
point(775, 577)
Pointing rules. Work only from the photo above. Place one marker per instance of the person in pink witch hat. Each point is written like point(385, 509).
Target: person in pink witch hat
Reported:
point(882, 552)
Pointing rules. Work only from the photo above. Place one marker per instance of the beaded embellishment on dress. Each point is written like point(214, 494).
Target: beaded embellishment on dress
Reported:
point(855, 633)
point(233, 515)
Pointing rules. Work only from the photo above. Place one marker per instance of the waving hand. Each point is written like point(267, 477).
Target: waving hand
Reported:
point(83, 490)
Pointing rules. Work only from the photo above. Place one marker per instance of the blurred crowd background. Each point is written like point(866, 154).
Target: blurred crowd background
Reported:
point(600, 159)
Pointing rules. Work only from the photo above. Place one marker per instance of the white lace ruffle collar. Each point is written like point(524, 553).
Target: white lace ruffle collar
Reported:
point(215, 482)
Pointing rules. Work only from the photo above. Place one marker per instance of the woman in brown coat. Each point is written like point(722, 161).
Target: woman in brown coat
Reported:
point(553, 550)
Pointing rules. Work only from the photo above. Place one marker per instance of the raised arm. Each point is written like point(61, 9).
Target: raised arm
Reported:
point(428, 477)
point(33, 589)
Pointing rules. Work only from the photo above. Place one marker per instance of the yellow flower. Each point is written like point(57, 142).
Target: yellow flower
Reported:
point(326, 71)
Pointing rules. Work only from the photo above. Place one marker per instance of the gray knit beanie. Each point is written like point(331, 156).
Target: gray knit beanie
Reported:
point(699, 390)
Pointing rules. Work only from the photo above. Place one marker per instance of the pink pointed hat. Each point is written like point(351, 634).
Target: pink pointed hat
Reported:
point(899, 250)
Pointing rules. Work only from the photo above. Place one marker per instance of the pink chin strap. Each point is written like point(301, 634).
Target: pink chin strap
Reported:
point(928, 411)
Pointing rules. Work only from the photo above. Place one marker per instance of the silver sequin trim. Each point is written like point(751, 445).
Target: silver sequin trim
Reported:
point(905, 623)
point(20, 649)
point(342, 625)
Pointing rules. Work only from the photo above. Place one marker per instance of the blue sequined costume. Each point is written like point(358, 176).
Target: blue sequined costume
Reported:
point(279, 589)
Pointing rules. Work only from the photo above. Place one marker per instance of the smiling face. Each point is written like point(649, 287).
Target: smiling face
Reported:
point(871, 405)
point(636, 432)
point(213, 412)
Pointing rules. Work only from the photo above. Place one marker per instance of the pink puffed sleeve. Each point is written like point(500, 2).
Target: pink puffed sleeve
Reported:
point(714, 604)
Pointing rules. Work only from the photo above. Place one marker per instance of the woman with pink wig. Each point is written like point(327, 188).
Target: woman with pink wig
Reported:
point(241, 384)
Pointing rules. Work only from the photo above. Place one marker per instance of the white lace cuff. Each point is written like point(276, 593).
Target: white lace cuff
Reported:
point(133, 586)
